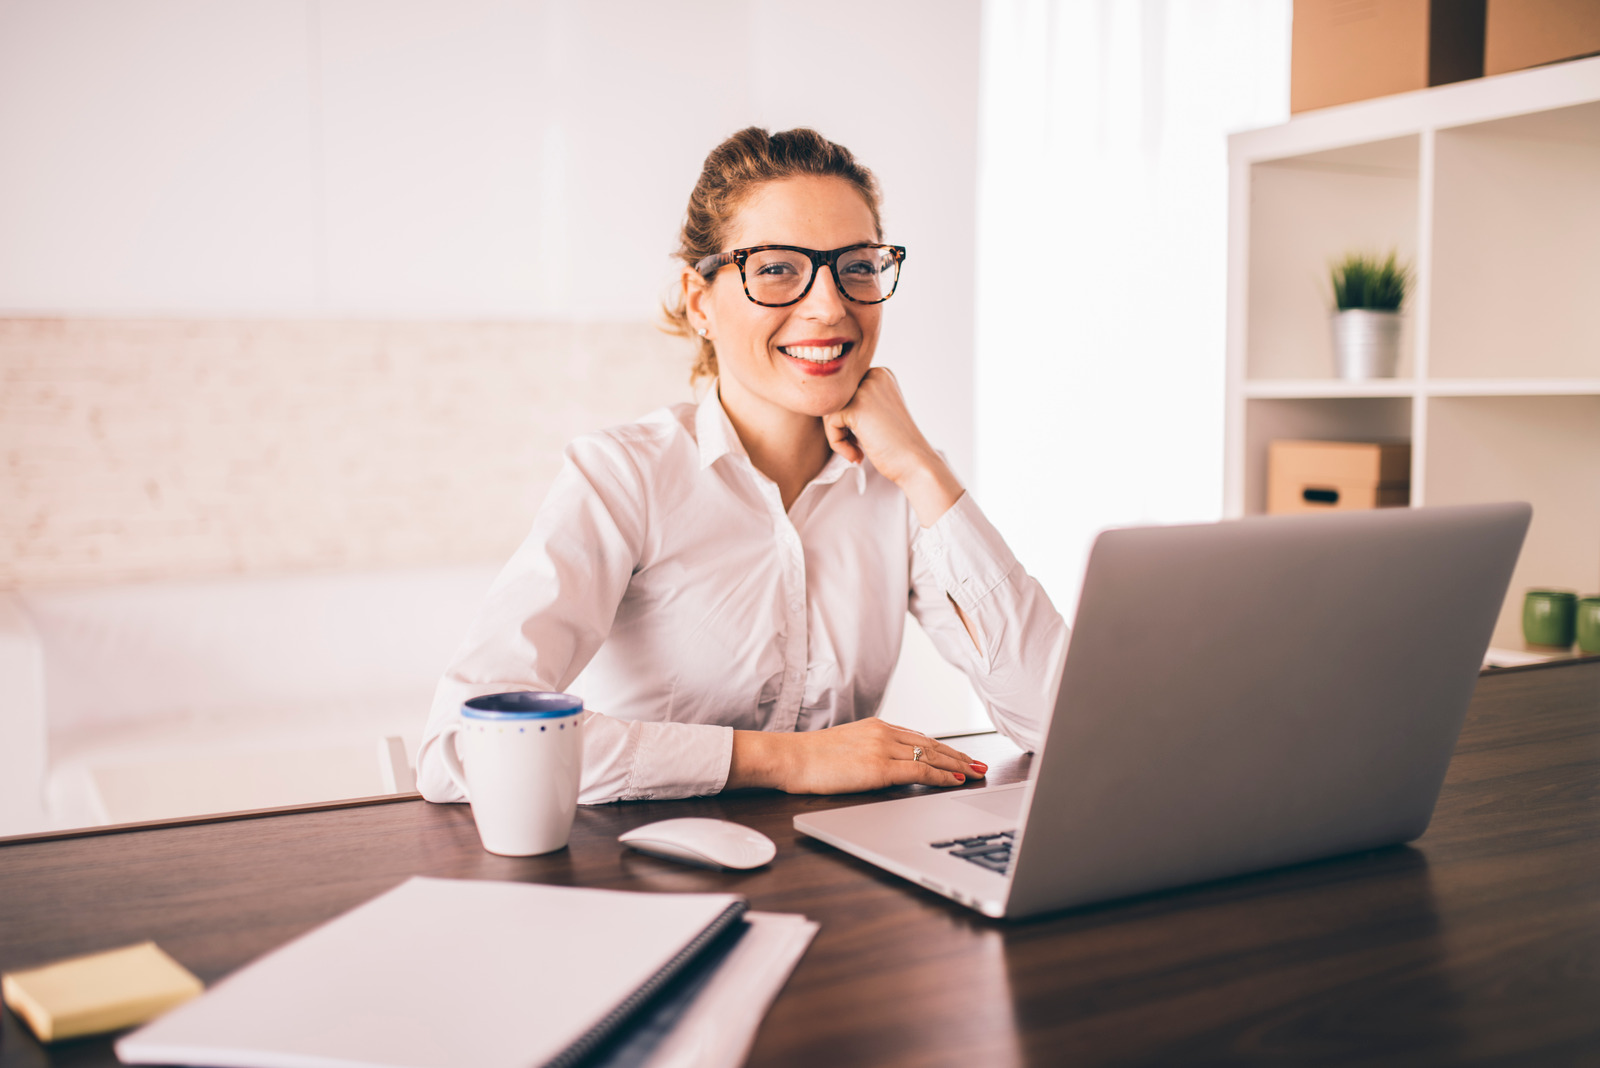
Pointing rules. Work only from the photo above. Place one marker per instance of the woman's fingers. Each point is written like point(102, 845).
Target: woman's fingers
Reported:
point(937, 756)
point(928, 775)
point(840, 438)
point(941, 758)
point(954, 759)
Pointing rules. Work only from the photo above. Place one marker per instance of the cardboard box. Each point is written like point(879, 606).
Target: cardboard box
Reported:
point(1348, 50)
point(1526, 33)
point(1337, 476)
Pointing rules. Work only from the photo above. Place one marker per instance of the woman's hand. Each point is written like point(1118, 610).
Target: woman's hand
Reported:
point(868, 754)
point(876, 425)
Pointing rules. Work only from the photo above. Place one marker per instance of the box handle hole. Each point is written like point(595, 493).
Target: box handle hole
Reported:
point(1312, 495)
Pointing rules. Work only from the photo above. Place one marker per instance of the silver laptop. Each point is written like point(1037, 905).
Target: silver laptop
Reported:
point(1236, 696)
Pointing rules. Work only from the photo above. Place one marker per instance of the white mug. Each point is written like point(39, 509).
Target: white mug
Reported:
point(523, 753)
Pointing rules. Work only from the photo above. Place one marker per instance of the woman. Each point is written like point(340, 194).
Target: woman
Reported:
point(732, 576)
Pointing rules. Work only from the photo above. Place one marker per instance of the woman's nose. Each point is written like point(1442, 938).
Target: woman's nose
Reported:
point(823, 302)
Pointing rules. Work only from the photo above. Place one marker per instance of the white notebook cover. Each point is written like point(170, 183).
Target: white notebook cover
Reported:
point(441, 973)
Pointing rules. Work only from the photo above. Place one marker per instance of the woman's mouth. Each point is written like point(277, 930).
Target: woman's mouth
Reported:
point(818, 359)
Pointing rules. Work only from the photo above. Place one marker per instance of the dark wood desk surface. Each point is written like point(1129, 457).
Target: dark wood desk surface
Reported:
point(1479, 944)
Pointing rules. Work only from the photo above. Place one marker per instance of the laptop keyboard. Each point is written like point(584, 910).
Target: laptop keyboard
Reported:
point(991, 852)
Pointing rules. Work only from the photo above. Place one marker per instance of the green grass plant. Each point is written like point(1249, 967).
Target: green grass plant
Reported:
point(1365, 281)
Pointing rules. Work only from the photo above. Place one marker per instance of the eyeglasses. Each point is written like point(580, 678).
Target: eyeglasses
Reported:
point(776, 276)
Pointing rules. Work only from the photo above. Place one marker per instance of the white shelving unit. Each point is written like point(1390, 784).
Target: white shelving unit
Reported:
point(1491, 188)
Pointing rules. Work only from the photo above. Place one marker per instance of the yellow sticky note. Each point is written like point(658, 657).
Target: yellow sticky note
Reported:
point(99, 992)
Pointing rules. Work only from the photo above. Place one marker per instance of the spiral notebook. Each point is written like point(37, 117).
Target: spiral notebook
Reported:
point(438, 973)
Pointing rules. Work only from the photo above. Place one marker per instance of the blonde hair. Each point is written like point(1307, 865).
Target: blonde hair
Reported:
point(733, 171)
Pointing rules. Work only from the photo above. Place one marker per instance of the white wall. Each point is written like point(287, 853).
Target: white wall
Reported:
point(1102, 260)
point(468, 160)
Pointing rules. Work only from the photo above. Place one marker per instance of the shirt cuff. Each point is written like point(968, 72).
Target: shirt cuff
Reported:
point(966, 553)
point(676, 760)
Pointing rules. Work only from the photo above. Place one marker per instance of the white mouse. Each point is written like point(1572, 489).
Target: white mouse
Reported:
point(707, 843)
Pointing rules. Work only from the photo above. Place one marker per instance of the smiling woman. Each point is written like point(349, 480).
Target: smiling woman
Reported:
point(732, 577)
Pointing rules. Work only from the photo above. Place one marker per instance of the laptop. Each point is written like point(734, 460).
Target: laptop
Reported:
point(1236, 696)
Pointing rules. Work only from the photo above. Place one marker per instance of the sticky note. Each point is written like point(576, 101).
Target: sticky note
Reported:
point(98, 992)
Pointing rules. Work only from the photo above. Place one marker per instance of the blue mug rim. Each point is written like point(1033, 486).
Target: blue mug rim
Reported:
point(560, 704)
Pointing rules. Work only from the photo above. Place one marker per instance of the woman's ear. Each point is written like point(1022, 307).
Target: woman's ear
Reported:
point(697, 303)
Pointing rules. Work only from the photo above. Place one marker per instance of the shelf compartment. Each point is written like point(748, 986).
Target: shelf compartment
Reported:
point(1517, 223)
point(1314, 419)
point(1305, 212)
point(1541, 449)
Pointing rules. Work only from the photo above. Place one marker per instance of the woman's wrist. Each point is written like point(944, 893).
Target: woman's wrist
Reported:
point(932, 488)
point(756, 761)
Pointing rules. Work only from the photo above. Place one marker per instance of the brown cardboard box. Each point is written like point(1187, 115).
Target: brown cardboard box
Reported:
point(1336, 476)
point(1526, 33)
point(1347, 50)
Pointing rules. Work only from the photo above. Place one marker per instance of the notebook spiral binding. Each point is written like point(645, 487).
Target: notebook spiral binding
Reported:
point(574, 1054)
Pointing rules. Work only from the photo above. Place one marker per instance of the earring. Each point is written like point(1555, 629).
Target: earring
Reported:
point(702, 331)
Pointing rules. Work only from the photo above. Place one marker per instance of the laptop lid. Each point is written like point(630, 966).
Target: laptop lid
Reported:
point(1243, 695)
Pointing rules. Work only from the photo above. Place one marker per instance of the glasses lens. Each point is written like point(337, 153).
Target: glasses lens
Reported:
point(776, 276)
point(868, 274)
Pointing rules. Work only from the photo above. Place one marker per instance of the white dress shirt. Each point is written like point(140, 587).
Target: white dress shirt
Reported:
point(664, 583)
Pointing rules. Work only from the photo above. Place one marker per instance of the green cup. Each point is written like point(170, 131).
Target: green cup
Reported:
point(1549, 617)
point(1589, 624)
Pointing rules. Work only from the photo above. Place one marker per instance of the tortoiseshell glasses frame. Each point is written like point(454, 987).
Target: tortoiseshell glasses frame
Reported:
point(895, 256)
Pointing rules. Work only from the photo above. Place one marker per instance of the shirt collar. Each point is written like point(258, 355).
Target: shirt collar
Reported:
point(836, 468)
point(713, 431)
point(716, 437)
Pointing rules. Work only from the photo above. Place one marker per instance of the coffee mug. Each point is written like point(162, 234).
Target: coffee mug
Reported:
point(1588, 627)
point(1548, 617)
point(519, 760)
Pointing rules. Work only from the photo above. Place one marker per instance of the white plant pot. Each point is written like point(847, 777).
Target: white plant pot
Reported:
point(1366, 344)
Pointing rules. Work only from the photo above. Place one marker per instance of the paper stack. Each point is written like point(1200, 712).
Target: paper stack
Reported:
point(438, 973)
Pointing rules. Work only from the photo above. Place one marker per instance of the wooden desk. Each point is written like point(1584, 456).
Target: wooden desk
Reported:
point(1480, 943)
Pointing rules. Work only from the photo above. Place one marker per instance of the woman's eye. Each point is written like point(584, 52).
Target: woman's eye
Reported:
point(862, 268)
point(776, 268)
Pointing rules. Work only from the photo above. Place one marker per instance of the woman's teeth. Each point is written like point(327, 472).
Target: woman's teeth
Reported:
point(814, 353)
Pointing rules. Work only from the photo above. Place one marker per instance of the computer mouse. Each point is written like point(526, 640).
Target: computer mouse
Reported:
point(707, 843)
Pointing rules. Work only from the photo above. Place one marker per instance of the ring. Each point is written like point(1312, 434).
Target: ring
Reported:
point(916, 752)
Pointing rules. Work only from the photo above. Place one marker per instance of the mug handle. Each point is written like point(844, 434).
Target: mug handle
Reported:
point(452, 759)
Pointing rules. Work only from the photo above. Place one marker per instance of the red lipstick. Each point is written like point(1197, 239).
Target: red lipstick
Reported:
point(798, 353)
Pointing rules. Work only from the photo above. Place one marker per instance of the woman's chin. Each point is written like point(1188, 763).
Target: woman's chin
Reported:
point(824, 396)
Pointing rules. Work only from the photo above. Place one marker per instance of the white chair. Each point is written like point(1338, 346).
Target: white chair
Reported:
point(397, 765)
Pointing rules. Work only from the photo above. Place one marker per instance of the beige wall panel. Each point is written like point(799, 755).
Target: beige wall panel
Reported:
point(161, 449)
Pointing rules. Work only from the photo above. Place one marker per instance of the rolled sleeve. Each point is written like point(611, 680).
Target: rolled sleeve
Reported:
point(966, 554)
point(962, 561)
point(670, 760)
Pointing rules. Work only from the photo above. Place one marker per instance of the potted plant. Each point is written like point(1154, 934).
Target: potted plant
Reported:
point(1367, 295)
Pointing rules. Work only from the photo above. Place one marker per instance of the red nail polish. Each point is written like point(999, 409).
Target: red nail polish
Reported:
point(960, 777)
point(979, 768)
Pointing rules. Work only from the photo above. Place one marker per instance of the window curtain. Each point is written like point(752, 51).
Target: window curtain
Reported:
point(1102, 255)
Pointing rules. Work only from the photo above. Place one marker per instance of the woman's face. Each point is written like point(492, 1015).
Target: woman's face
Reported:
point(773, 361)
